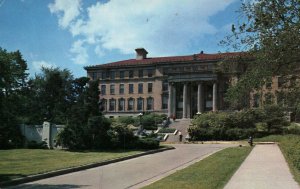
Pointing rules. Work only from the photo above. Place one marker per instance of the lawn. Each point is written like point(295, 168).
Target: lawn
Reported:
point(22, 162)
point(211, 173)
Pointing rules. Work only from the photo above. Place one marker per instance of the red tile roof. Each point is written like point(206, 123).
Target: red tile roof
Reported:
point(161, 60)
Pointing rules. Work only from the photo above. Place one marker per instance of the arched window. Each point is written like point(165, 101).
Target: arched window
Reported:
point(140, 104)
point(121, 104)
point(130, 104)
point(112, 104)
point(150, 103)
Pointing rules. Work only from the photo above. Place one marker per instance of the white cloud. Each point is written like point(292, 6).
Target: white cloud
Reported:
point(66, 10)
point(38, 65)
point(163, 27)
point(80, 51)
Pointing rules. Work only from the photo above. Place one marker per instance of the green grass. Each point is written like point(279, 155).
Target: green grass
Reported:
point(290, 147)
point(211, 173)
point(22, 162)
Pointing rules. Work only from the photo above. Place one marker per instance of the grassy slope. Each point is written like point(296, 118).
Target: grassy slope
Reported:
point(21, 162)
point(211, 173)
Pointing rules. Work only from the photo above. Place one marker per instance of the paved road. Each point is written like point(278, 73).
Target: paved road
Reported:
point(264, 168)
point(133, 173)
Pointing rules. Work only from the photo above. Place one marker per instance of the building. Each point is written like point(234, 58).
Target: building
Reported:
point(178, 86)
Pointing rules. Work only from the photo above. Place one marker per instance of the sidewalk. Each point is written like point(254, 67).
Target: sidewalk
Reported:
point(264, 168)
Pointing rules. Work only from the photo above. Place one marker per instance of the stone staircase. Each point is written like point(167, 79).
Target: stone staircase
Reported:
point(181, 125)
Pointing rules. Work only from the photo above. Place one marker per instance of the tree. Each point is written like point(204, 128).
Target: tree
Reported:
point(270, 33)
point(50, 95)
point(12, 84)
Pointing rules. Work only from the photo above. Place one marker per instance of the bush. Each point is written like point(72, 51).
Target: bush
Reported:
point(150, 120)
point(292, 129)
point(147, 143)
point(210, 119)
point(203, 134)
point(167, 130)
point(127, 120)
point(121, 136)
point(275, 119)
point(37, 145)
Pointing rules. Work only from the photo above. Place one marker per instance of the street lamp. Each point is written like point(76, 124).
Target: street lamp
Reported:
point(198, 113)
point(141, 125)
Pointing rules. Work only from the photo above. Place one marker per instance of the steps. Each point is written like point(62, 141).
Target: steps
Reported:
point(181, 125)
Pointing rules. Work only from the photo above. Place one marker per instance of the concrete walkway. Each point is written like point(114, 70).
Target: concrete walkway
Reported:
point(264, 168)
point(133, 173)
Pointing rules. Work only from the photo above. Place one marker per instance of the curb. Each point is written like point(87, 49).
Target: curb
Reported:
point(31, 178)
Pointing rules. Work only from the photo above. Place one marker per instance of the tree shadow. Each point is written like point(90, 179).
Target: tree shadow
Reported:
point(47, 186)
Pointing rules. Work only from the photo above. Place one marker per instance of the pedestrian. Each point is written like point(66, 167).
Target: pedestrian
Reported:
point(180, 136)
point(250, 141)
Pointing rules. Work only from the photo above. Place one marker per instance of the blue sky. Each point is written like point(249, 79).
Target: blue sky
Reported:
point(75, 33)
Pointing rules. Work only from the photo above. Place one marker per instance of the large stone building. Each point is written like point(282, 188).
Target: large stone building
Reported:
point(178, 86)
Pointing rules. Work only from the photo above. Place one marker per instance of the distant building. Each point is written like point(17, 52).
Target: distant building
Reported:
point(178, 86)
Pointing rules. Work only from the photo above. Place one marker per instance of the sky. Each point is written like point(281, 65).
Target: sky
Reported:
point(71, 34)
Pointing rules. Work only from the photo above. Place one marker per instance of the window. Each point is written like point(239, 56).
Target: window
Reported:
point(140, 88)
point(281, 98)
point(130, 104)
point(112, 89)
point(150, 103)
point(281, 82)
point(150, 85)
point(256, 100)
point(112, 105)
point(130, 88)
point(140, 104)
point(164, 102)
point(150, 73)
point(122, 74)
point(269, 84)
point(121, 104)
point(141, 73)
point(268, 98)
point(121, 89)
point(94, 75)
point(165, 85)
point(130, 74)
point(103, 104)
point(103, 89)
point(112, 75)
point(103, 75)
point(107, 75)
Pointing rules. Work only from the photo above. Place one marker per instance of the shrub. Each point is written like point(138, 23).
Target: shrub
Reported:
point(127, 120)
point(210, 119)
point(147, 143)
point(167, 130)
point(275, 118)
point(292, 129)
point(121, 136)
point(150, 120)
point(37, 145)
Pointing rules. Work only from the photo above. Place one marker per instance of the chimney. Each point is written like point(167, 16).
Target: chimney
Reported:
point(141, 53)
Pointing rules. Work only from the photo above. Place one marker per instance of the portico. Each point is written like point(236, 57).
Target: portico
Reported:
point(188, 98)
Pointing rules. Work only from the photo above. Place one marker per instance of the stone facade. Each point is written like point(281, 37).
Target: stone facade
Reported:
point(179, 86)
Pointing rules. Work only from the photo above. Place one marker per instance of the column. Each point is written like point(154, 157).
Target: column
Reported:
point(174, 101)
point(215, 97)
point(200, 98)
point(170, 100)
point(184, 99)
